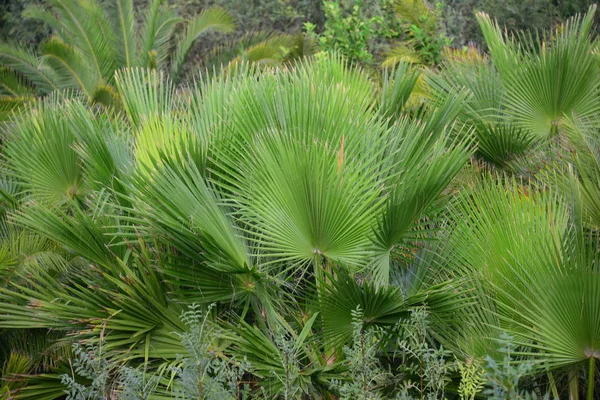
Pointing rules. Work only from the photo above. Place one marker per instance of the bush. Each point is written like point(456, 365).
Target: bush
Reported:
point(459, 15)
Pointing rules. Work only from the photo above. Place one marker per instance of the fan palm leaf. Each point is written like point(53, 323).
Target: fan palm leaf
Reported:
point(536, 273)
point(498, 139)
point(551, 81)
point(45, 163)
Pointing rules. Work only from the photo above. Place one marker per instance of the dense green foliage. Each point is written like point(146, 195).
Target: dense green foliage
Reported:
point(292, 224)
point(290, 16)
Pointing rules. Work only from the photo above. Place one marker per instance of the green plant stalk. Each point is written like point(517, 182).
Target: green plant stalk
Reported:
point(319, 276)
point(573, 385)
point(590, 390)
point(553, 385)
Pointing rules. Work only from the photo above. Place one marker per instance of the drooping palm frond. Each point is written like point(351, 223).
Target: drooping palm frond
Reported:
point(13, 85)
point(71, 68)
point(46, 386)
point(24, 62)
point(13, 106)
point(213, 19)
point(22, 250)
point(86, 27)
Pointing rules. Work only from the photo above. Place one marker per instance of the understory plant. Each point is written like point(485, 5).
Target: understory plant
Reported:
point(366, 376)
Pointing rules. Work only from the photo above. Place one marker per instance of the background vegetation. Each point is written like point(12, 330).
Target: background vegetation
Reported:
point(330, 202)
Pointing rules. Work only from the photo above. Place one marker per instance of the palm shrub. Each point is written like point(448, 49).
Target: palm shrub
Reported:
point(319, 212)
point(91, 40)
point(533, 269)
point(522, 95)
point(546, 80)
point(270, 193)
point(499, 139)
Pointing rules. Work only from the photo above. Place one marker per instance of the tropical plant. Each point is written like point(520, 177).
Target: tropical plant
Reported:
point(92, 39)
point(183, 197)
point(309, 230)
point(532, 286)
point(521, 97)
point(546, 80)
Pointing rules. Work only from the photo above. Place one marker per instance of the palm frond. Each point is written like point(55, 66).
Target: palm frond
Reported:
point(41, 156)
point(157, 31)
point(24, 62)
point(123, 23)
point(397, 85)
point(145, 93)
point(212, 19)
point(71, 68)
point(86, 27)
point(550, 81)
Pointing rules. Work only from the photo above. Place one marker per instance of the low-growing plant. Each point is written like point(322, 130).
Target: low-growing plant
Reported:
point(503, 377)
point(472, 378)
point(92, 374)
point(424, 368)
point(348, 32)
point(366, 376)
point(205, 374)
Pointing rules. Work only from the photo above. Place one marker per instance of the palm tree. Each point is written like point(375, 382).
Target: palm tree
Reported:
point(534, 274)
point(266, 192)
point(547, 80)
point(92, 40)
point(521, 96)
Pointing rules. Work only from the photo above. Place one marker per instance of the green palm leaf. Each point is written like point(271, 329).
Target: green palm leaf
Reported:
point(41, 155)
point(157, 31)
point(71, 68)
point(27, 64)
point(125, 37)
point(551, 81)
point(145, 93)
point(212, 19)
